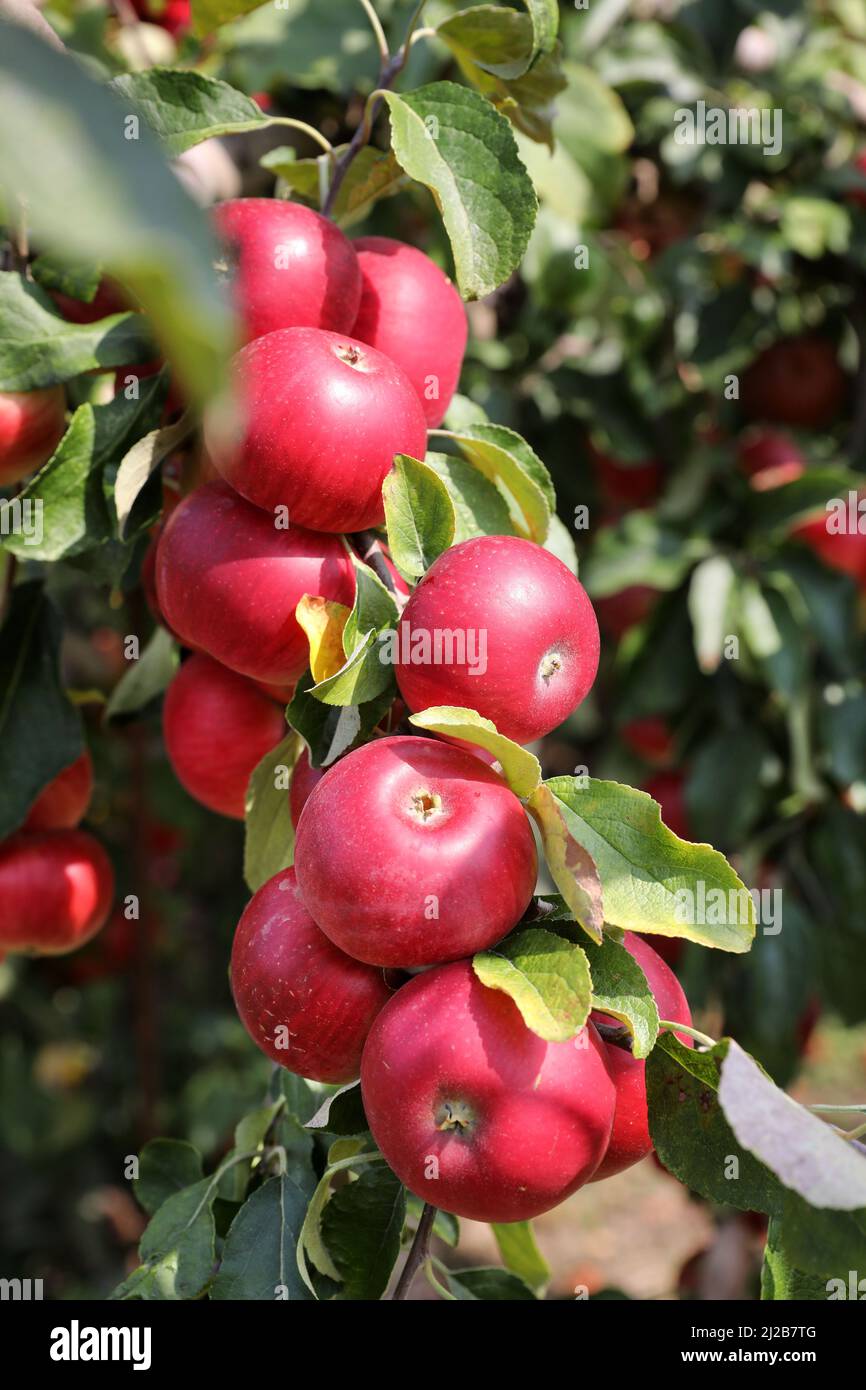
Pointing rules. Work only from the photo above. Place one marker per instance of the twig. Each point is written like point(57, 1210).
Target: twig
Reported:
point(418, 1252)
point(369, 548)
point(376, 25)
point(390, 71)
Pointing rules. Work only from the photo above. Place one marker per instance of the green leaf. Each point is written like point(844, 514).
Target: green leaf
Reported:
point(507, 461)
point(520, 1253)
point(210, 15)
point(311, 1244)
point(165, 1167)
point(269, 837)
point(814, 227)
point(40, 731)
point(496, 38)
point(331, 730)
point(374, 607)
point(419, 515)
point(651, 880)
point(479, 508)
point(710, 592)
point(571, 866)
point(79, 281)
point(520, 768)
point(561, 544)
point(827, 1243)
point(140, 463)
point(803, 1151)
point(640, 549)
point(462, 149)
point(363, 677)
point(179, 1243)
point(40, 348)
point(545, 23)
point(258, 1260)
point(547, 977)
point(146, 678)
point(361, 1227)
point(620, 988)
point(341, 1113)
point(488, 1284)
point(302, 44)
point(691, 1134)
point(782, 1281)
point(72, 485)
point(115, 203)
point(183, 107)
point(373, 174)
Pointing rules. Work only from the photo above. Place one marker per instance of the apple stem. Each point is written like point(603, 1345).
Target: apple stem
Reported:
point(418, 1252)
point(670, 1026)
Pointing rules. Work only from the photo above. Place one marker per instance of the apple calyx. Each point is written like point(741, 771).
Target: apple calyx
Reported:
point(426, 805)
point(455, 1115)
point(551, 665)
point(352, 356)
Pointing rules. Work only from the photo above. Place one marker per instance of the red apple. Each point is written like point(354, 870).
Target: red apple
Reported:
point(650, 737)
point(669, 790)
point(529, 631)
point(56, 889)
point(411, 311)
point(305, 1003)
point(840, 550)
point(63, 802)
point(322, 418)
point(289, 266)
point(172, 15)
point(770, 458)
point(229, 580)
point(217, 728)
point(626, 486)
point(32, 424)
point(619, 613)
point(305, 778)
point(411, 852)
point(109, 299)
point(474, 1112)
point(630, 1138)
point(796, 382)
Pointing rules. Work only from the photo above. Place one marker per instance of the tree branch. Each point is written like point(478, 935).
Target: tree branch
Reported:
point(417, 1253)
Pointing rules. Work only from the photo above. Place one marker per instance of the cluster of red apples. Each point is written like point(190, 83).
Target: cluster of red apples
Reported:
point(56, 881)
point(411, 853)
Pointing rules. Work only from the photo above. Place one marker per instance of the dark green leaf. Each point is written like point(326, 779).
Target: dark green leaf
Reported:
point(258, 1260)
point(40, 730)
point(166, 1166)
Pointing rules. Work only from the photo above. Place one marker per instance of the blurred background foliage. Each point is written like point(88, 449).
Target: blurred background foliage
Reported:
point(656, 270)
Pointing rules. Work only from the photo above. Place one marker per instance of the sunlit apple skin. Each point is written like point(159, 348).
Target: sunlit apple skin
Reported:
point(289, 267)
point(56, 890)
point(31, 426)
point(63, 802)
point(541, 633)
point(455, 1084)
point(630, 1137)
point(286, 973)
point(796, 382)
point(844, 551)
point(403, 829)
point(669, 790)
point(305, 778)
point(320, 419)
point(217, 728)
point(411, 311)
point(229, 580)
point(770, 459)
